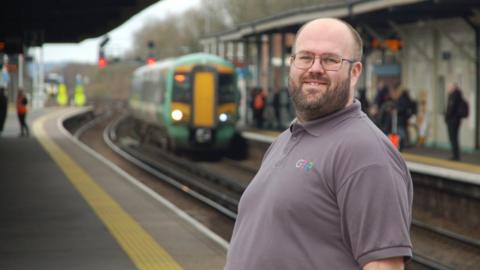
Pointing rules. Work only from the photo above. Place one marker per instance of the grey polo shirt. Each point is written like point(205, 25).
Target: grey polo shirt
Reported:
point(331, 194)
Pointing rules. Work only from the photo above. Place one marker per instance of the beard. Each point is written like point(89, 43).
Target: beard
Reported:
point(325, 102)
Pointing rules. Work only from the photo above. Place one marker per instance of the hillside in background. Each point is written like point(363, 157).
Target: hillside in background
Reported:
point(112, 82)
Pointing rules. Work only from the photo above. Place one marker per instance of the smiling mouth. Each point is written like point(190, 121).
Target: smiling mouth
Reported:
point(315, 83)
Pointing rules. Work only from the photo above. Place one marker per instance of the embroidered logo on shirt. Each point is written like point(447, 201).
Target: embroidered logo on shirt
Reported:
point(304, 164)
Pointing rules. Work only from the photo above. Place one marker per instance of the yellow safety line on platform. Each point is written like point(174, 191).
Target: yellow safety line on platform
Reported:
point(271, 133)
point(442, 163)
point(12, 108)
point(142, 249)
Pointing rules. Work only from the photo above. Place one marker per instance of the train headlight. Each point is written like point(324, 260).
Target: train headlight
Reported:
point(223, 117)
point(177, 115)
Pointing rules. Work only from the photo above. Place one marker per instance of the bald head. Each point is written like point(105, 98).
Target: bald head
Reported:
point(337, 30)
point(452, 87)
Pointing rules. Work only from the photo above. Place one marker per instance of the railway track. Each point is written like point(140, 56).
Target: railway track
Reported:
point(435, 248)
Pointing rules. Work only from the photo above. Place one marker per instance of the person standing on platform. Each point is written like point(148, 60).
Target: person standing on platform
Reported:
point(3, 108)
point(332, 192)
point(365, 104)
point(382, 96)
point(22, 112)
point(258, 105)
point(453, 117)
point(385, 115)
point(405, 107)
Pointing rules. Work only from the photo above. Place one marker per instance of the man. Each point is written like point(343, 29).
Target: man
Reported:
point(332, 192)
point(453, 118)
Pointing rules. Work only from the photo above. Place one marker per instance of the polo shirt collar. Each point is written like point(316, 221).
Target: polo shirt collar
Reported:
point(320, 126)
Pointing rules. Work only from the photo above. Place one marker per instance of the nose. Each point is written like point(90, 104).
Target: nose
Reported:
point(317, 65)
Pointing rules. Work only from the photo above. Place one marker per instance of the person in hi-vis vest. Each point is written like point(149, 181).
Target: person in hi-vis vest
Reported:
point(22, 112)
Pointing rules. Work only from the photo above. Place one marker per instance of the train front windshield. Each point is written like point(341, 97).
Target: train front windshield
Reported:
point(183, 88)
point(226, 88)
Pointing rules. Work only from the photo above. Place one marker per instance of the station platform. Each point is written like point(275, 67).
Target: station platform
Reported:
point(421, 158)
point(63, 208)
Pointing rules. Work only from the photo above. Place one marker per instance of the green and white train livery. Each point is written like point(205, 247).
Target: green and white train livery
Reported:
point(188, 103)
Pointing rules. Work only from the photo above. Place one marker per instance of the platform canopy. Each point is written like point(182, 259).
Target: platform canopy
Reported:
point(378, 16)
point(34, 22)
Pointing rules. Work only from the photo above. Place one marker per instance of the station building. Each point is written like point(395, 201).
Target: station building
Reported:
point(424, 45)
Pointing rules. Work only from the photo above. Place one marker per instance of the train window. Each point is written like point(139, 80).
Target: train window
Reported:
point(162, 84)
point(182, 88)
point(147, 94)
point(136, 87)
point(226, 88)
point(159, 89)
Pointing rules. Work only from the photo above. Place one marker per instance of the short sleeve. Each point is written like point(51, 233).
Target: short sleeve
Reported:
point(265, 155)
point(375, 213)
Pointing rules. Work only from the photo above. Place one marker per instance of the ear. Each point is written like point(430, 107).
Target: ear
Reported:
point(355, 73)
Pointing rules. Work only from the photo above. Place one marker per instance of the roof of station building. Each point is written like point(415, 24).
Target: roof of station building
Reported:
point(33, 22)
point(380, 15)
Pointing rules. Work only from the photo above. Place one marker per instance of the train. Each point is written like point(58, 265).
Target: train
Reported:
point(186, 103)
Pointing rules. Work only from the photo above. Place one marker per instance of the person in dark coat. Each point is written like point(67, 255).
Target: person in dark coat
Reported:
point(3, 108)
point(382, 96)
point(365, 104)
point(405, 107)
point(453, 118)
point(385, 116)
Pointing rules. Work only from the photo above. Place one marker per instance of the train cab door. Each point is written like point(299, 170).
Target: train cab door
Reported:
point(204, 97)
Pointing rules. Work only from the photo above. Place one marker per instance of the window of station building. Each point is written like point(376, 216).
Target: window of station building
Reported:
point(182, 89)
point(226, 88)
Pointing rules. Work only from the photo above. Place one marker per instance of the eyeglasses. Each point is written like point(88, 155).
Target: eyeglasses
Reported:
point(330, 62)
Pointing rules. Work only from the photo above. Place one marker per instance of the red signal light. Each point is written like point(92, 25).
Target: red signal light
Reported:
point(150, 60)
point(102, 62)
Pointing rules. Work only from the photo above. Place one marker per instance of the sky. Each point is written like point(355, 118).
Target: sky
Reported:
point(120, 38)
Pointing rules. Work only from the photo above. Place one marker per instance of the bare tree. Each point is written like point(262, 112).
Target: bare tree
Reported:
point(179, 34)
point(242, 11)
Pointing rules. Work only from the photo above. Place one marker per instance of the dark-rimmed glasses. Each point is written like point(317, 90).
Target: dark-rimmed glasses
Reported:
point(329, 61)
